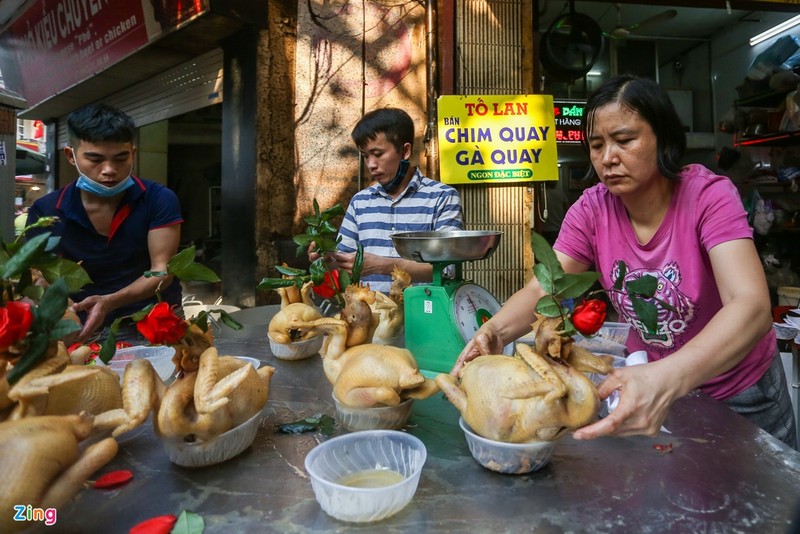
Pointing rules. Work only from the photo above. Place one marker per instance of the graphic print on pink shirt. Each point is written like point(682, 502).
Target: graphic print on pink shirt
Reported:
point(670, 322)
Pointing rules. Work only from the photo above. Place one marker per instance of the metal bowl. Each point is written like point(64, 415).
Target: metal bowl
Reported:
point(443, 246)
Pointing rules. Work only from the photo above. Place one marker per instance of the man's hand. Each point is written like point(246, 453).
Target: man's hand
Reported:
point(96, 308)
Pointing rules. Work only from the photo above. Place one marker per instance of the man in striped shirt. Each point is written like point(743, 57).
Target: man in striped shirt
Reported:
point(400, 199)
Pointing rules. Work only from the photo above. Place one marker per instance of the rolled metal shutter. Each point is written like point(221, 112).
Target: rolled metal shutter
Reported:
point(192, 85)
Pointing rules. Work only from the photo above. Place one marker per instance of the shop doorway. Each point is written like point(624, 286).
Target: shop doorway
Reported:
point(194, 172)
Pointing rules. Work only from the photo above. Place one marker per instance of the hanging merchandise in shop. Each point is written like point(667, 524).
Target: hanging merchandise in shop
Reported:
point(496, 139)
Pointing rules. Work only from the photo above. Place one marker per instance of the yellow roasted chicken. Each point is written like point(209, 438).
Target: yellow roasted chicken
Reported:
point(390, 309)
point(532, 396)
point(224, 392)
point(370, 374)
point(41, 463)
point(279, 326)
point(55, 387)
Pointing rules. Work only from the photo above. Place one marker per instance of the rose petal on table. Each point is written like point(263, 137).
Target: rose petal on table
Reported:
point(665, 448)
point(113, 479)
point(161, 524)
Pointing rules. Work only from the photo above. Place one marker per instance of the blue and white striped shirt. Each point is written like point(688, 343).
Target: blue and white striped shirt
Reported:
point(372, 216)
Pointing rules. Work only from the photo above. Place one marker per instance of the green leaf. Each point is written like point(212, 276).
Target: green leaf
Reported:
point(290, 271)
point(644, 286)
point(623, 271)
point(328, 244)
point(543, 254)
point(63, 328)
point(304, 240)
point(53, 305)
point(25, 256)
point(312, 220)
point(332, 212)
point(33, 292)
point(188, 523)
point(328, 228)
point(181, 261)
point(542, 274)
point(320, 422)
point(549, 306)
point(201, 320)
point(228, 321)
point(37, 348)
point(344, 278)
point(647, 312)
point(573, 285)
point(109, 347)
point(358, 263)
point(197, 273)
point(274, 283)
point(73, 274)
point(318, 269)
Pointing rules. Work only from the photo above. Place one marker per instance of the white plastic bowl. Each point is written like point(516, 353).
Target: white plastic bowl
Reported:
point(214, 451)
point(159, 355)
point(376, 418)
point(297, 350)
point(359, 452)
point(616, 332)
point(508, 458)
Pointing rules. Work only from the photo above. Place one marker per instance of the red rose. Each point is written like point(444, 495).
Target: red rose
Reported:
point(162, 326)
point(589, 316)
point(329, 286)
point(15, 321)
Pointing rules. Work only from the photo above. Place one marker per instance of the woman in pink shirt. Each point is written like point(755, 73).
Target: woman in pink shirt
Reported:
point(687, 227)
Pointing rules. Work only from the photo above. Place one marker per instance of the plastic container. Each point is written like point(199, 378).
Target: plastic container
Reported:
point(376, 418)
point(214, 451)
point(508, 458)
point(160, 357)
point(360, 454)
point(616, 332)
point(789, 296)
point(295, 351)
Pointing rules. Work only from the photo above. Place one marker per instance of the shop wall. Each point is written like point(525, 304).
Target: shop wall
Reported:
point(352, 58)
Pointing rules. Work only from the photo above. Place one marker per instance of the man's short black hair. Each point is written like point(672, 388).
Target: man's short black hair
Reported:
point(97, 123)
point(394, 123)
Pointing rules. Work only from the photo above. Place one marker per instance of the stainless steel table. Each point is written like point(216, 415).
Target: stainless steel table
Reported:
point(723, 475)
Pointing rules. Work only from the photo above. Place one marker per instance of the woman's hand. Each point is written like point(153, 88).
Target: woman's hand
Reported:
point(645, 396)
point(485, 341)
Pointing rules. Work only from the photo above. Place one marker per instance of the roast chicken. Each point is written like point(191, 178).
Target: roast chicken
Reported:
point(532, 396)
point(55, 387)
point(357, 313)
point(279, 326)
point(390, 308)
point(367, 375)
point(41, 464)
point(198, 406)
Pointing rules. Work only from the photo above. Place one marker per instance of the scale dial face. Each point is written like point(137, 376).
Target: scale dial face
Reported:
point(472, 306)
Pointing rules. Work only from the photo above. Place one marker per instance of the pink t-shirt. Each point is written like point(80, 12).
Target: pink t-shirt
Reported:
point(705, 211)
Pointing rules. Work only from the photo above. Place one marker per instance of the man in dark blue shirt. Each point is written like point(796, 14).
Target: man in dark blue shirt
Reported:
point(117, 226)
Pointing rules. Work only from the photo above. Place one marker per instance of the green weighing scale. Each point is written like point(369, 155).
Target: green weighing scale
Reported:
point(441, 317)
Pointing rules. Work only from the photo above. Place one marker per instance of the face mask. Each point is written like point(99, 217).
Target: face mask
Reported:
point(96, 188)
point(90, 186)
point(402, 169)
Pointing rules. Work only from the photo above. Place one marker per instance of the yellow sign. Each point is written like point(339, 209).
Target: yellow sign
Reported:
point(496, 139)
